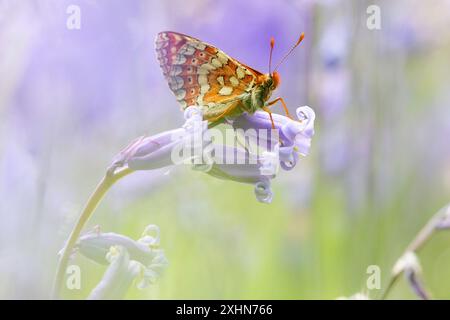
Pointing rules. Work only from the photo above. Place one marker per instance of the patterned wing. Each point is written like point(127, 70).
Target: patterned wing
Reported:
point(200, 74)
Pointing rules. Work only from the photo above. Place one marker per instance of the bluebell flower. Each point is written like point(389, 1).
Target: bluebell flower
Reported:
point(254, 160)
point(140, 261)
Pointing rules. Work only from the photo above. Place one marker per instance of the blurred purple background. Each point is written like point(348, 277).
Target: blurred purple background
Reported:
point(71, 99)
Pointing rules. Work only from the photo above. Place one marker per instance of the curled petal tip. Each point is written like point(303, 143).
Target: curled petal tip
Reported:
point(288, 157)
point(288, 165)
point(263, 192)
point(307, 115)
point(150, 236)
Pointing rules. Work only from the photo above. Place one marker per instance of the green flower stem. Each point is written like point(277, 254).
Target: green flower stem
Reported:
point(105, 184)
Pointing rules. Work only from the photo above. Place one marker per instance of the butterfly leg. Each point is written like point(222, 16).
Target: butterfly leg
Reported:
point(271, 103)
point(266, 109)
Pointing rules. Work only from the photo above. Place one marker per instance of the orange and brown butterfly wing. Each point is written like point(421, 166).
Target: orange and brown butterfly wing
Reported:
point(202, 75)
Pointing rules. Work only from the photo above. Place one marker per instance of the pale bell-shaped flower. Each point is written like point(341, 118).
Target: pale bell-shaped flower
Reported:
point(141, 261)
point(166, 148)
point(118, 277)
point(255, 161)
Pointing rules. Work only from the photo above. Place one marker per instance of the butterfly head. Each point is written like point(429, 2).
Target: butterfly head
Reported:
point(269, 82)
point(275, 77)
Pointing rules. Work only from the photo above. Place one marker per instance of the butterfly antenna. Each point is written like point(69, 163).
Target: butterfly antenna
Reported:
point(272, 44)
point(302, 36)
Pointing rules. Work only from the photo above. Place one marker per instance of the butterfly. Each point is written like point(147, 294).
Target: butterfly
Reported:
point(201, 75)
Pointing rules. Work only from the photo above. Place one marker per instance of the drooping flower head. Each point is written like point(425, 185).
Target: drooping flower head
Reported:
point(249, 150)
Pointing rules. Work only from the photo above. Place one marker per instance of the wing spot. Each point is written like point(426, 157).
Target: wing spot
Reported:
point(240, 73)
point(234, 82)
point(216, 63)
point(225, 91)
point(175, 71)
point(222, 58)
point(200, 99)
point(176, 83)
point(200, 46)
point(220, 80)
point(187, 50)
point(202, 79)
point(204, 88)
point(205, 68)
point(179, 59)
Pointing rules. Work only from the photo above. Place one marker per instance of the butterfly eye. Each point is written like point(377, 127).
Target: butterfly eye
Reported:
point(275, 80)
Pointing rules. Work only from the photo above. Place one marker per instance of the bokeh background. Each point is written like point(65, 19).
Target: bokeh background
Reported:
point(379, 165)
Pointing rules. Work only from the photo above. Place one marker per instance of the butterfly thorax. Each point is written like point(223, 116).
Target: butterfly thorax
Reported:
point(261, 93)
